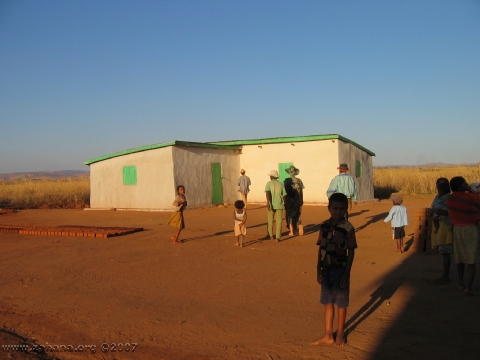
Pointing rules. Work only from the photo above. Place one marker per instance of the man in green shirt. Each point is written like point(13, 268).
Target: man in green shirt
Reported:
point(275, 192)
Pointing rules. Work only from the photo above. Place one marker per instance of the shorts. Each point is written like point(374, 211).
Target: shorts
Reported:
point(399, 232)
point(331, 292)
point(239, 230)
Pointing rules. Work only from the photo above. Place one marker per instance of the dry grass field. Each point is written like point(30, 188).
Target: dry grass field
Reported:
point(70, 192)
point(418, 180)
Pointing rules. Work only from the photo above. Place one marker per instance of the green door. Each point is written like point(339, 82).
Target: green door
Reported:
point(217, 191)
point(281, 171)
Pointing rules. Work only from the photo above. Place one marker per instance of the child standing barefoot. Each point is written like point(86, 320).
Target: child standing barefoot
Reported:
point(337, 244)
point(176, 220)
point(240, 217)
point(398, 216)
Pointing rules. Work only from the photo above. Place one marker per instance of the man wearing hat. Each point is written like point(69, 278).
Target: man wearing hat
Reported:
point(344, 183)
point(275, 191)
point(244, 186)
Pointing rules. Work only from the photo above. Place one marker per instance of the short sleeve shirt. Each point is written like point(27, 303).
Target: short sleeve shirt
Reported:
point(334, 242)
point(277, 190)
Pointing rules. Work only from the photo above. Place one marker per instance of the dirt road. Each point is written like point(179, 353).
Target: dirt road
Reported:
point(207, 299)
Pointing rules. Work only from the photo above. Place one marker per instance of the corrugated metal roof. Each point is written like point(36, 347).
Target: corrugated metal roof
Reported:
point(162, 145)
point(230, 144)
point(291, 139)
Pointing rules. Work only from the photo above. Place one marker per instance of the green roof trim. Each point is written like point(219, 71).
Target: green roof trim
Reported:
point(291, 139)
point(231, 144)
point(162, 145)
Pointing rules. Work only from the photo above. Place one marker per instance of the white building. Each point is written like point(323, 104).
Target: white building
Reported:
point(146, 178)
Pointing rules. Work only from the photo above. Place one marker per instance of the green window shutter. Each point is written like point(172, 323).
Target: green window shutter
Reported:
point(358, 168)
point(129, 175)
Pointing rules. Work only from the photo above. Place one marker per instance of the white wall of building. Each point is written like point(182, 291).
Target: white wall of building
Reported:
point(154, 181)
point(160, 170)
point(317, 161)
point(193, 169)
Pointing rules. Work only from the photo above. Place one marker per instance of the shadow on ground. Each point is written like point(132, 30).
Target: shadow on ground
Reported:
point(445, 309)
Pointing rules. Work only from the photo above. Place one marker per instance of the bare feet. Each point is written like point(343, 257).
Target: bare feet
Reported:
point(469, 293)
point(325, 339)
point(340, 340)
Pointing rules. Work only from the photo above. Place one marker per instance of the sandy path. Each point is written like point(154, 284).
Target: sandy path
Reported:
point(207, 299)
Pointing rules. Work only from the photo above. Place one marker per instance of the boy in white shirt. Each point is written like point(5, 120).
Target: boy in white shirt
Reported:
point(399, 219)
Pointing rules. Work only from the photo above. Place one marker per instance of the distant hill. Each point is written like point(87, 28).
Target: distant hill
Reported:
point(45, 174)
point(423, 165)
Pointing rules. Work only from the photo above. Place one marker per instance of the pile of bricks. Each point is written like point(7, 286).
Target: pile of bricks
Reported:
point(69, 230)
point(422, 229)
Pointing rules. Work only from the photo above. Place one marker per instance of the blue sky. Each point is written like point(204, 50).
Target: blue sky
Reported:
point(81, 79)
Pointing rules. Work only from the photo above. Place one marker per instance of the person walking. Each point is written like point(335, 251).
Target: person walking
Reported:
point(244, 186)
point(293, 201)
point(274, 191)
point(399, 218)
point(343, 183)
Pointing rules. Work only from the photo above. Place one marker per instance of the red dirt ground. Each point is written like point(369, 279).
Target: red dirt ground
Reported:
point(207, 299)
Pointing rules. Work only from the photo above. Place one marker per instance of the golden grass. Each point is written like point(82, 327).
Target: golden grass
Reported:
point(45, 192)
point(418, 180)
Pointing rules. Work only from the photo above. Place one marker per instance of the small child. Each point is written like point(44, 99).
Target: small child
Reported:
point(337, 244)
point(436, 221)
point(240, 217)
point(176, 220)
point(399, 218)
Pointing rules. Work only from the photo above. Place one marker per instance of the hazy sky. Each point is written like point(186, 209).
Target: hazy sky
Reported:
point(81, 79)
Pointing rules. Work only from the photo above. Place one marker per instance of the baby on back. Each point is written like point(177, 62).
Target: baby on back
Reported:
point(475, 187)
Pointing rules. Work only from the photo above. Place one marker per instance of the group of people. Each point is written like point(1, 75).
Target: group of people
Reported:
point(455, 211)
point(455, 214)
point(290, 195)
point(336, 240)
point(279, 196)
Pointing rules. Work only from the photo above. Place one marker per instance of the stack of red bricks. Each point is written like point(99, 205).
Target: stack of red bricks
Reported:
point(422, 229)
point(69, 230)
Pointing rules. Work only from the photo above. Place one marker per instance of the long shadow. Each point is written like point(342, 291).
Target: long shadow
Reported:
point(409, 243)
point(416, 318)
point(373, 219)
point(256, 208)
point(437, 322)
point(207, 236)
point(311, 228)
point(377, 298)
point(251, 242)
point(357, 213)
point(219, 233)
